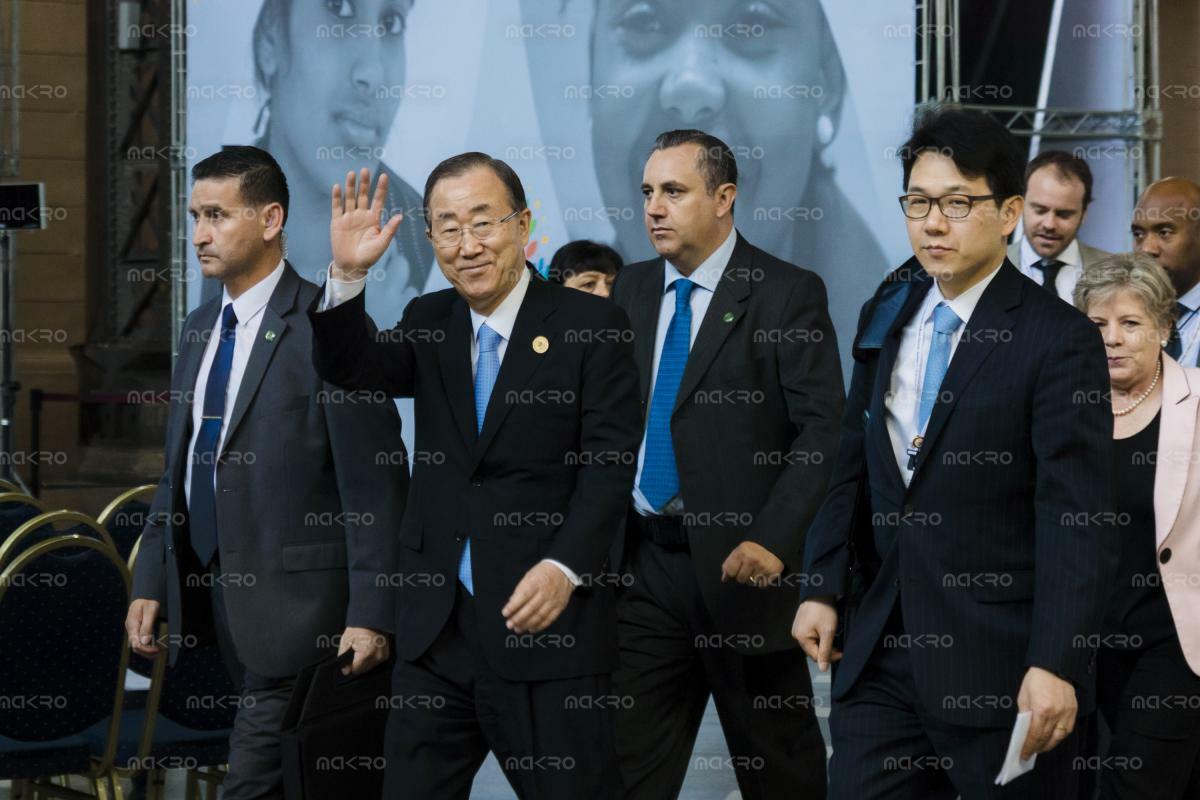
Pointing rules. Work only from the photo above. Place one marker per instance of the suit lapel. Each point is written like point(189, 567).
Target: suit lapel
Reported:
point(270, 333)
point(918, 287)
point(454, 358)
point(727, 306)
point(1176, 433)
point(191, 354)
point(989, 323)
point(643, 317)
point(520, 359)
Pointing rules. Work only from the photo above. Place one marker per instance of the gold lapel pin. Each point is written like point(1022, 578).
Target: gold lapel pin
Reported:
point(269, 336)
point(540, 344)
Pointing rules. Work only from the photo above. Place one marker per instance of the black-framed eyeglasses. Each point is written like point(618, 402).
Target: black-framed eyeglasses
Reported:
point(482, 231)
point(952, 206)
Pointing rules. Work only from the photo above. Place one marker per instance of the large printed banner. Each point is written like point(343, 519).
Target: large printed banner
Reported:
point(813, 97)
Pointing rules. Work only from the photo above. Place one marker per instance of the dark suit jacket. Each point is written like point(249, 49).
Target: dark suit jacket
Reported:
point(548, 477)
point(1001, 550)
point(754, 427)
point(310, 494)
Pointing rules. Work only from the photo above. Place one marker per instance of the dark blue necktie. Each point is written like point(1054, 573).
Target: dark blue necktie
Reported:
point(660, 475)
point(202, 507)
point(1050, 268)
point(1175, 343)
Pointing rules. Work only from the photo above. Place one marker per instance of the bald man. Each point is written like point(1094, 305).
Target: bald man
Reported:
point(1166, 226)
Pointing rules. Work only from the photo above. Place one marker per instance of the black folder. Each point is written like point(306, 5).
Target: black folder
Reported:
point(332, 743)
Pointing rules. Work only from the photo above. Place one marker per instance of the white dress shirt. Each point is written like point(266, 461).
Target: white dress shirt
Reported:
point(707, 277)
point(904, 391)
point(248, 308)
point(1068, 275)
point(501, 320)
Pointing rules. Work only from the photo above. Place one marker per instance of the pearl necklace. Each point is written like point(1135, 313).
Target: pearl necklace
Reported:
point(1157, 374)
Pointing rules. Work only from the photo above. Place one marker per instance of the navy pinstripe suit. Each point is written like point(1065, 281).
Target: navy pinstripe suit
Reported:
point(998, 554)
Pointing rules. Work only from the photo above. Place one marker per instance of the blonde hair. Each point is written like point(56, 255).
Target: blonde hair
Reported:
point(1136, 272)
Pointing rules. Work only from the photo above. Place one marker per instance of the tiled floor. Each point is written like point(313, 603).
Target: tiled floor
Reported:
point(703, 782)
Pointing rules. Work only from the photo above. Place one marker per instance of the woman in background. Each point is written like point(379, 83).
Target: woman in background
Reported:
point(1148, 666)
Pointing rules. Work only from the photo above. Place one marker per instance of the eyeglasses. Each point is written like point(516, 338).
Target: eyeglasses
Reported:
point(482, 231)
point(952, 206)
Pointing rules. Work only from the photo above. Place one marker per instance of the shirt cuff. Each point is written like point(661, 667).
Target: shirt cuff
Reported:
point(338, 292)
point(571, 576)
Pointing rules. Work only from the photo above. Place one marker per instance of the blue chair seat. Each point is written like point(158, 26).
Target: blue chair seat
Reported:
point(18, 759)
point(175, 746)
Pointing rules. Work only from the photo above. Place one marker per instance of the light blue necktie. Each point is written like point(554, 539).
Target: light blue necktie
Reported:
point(945, 323)
point(660, 476)
point(487, 367)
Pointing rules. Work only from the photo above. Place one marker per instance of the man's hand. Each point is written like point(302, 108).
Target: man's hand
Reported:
point(1052, 701)
point(139, 626)
point(816, 622)
point(357, 239)
point(370, 649)
point(752, 563)
point(538, 599)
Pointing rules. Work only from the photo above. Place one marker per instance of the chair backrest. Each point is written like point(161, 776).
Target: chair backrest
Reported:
point(125, 517)
point(9, 486)
point(197, 692)
point(62, 611)
point(42, 528)
point(17, 508)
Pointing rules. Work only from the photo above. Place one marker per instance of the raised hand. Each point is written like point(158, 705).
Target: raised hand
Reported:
point(355, 233)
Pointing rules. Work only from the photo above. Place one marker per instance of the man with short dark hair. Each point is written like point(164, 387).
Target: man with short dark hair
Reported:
point(1058, 191)
point(966, 543)
point(526, 394)
point(275, 517)
point(1166, 227)
point(742, 391)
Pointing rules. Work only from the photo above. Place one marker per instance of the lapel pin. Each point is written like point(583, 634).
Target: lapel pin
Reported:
point(269, 336)
point(728, 316)
point(540, 344)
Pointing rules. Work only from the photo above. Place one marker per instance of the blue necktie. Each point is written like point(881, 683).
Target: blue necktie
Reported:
point(945, 323)
point(202, 505)
point(487, 367)
point(660, 477)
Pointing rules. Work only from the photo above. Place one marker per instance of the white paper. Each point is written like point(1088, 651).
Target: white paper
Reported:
point(1014, 765)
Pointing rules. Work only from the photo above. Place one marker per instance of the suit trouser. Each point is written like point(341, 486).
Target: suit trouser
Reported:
point(553, 739)
point(887, 746)
point(673, 658)
point(1150, 699)
point(255, 759)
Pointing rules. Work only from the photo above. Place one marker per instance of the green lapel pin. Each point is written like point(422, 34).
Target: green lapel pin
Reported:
point(269, 336)
point(728, 316)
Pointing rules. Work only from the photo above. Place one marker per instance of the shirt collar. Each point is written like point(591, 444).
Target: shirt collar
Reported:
point(250, 302)
point(963, 305)
point(1071, 256)
point(505, 316)
point(1191, 298)
point(708, 274)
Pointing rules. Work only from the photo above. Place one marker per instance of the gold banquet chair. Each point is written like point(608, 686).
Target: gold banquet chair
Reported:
point(62, 610)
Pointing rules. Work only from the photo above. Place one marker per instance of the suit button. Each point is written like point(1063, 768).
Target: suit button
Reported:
point(1165, 555)
point(477, 483)
point(458, 537)
point(908, 509)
